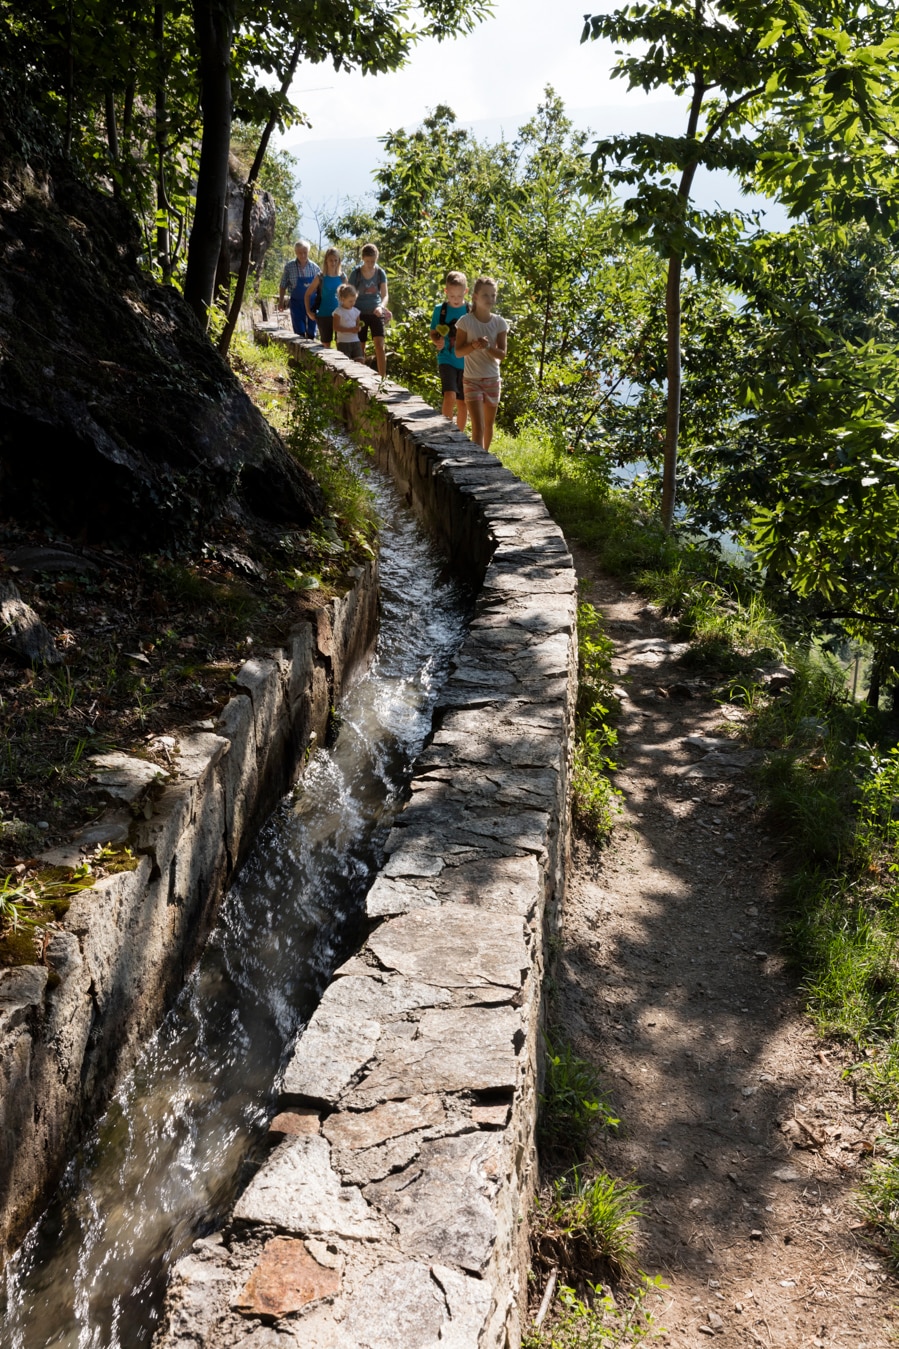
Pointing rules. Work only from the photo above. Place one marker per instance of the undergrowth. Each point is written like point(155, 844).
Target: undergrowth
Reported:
point(572, 1104)
point(593, 796)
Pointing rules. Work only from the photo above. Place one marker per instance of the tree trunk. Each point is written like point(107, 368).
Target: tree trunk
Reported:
point(672, 407)
point(112, 140)
point(163, 240)
point(69, 79)
point(246, 241)
point(214, 22)
point(873, 699)
point(673, 326)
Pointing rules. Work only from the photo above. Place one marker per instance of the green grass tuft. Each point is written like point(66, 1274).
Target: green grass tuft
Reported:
point(572, 1104)
point(585, 1226)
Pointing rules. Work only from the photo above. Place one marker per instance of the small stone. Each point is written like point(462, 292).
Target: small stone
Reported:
point(756, 1234)
point(293, 1123)
point(787, 1174)
point(715, 1321)
point(706, 1330)
point(286, 1278)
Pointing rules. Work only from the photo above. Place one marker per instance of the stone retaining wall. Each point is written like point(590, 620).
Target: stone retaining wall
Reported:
point(391, 1212)
point(69, 1026)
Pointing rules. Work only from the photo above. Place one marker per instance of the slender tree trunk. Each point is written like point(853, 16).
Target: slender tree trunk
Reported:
point(672, 406)
point(163, 240)
point(214, 22)
point(246, 241)
point(873, 698)
point(70, 79)
point(673, 326)
point(112, 140)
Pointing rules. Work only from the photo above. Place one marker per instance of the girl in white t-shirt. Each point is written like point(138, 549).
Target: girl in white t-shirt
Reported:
point(481, 341)
point(346, 323)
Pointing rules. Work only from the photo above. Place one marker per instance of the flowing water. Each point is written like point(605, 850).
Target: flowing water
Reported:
point(182, 1134)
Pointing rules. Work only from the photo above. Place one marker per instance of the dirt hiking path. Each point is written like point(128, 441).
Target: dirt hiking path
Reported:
point(735, 1121)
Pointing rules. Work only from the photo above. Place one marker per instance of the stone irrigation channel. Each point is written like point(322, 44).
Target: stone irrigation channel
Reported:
point(391, 1208)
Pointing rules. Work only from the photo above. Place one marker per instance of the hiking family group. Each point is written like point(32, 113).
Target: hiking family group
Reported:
point(470, 340)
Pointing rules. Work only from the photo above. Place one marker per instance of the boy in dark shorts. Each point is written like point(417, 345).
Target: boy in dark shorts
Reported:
point(443, 336)
point(370, 281)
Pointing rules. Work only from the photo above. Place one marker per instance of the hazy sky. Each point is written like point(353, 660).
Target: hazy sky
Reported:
point(499, 70)
point(493, 80)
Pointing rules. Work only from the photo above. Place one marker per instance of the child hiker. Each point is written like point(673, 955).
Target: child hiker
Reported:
point(347, 319)
point(324, 289)
point(443, 336)
point(297, 277)
point(481, 342)
point(370, 281)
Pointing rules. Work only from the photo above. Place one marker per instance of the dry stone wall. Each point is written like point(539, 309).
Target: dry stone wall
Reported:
point(69, 1025)
point(391, 1212)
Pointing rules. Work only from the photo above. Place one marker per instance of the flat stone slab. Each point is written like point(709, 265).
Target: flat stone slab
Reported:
point(381, 997)
point(510, 884)
point(441, 1203)
point(122, 777)
point(286, 1278)
point(454, 947)
point(330, 1052)
point(368, 1128)
point(462, 1049)
point(299, 1191)
point(404, 1304)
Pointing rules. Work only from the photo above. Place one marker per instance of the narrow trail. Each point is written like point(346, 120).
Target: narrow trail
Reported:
point(736, 1120)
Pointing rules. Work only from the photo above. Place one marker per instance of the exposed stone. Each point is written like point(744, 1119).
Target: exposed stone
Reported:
point(22, 986)
point(330, 1052)
point(453, 948)
point(399, 1306)
point(299, 1191)
point(286, 1277)
point(22, 633)
point(367, 1128)
point(458, 1050)
point(294, 1123)
point(381, 997)
point(122, 777)
point(442, 1202)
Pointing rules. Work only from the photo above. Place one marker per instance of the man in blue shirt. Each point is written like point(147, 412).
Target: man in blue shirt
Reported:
point(297, 277)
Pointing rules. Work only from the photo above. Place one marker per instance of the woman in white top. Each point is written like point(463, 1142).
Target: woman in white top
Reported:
point(481, 342)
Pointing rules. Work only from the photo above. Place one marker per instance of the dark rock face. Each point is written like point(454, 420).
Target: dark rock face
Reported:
point(263, 218)
point(118, 419)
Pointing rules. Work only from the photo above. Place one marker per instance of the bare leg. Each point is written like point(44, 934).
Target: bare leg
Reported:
point(489, 419)
point(476, 413)
point(380, 355)
point(461, 414)
point(449, 404)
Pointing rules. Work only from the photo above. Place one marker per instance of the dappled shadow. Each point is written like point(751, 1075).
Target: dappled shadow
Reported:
point(672, 982)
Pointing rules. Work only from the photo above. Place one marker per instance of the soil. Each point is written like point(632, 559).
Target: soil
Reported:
point(737, 1120)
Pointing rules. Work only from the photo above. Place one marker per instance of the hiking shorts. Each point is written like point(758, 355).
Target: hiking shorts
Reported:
point(483, 391)
point(451, 379)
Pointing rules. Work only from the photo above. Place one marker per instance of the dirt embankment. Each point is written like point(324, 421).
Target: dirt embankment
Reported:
point(737, 1121)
